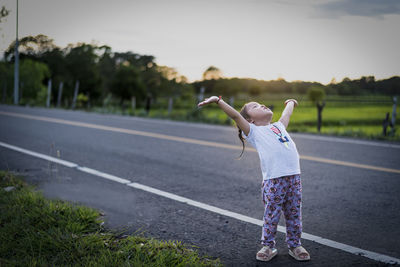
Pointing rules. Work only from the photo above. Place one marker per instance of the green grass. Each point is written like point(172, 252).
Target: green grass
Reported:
point(362, 119)
point(354, 116)
point(35, 231)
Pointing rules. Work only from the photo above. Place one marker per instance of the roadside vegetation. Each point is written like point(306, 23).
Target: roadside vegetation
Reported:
point(35, 231)
point(95, 78)
point(351, 116)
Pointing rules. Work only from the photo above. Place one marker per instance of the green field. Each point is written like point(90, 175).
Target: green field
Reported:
point(357, 116)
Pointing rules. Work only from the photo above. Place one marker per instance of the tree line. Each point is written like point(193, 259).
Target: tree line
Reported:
point(96, 70)
point(366, 85)
point(100, 73)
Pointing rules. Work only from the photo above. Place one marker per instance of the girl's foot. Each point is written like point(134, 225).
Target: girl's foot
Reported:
point(299, 253)
point(266, 253)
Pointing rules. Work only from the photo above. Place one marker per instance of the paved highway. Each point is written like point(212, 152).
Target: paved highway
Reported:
point(351, 197)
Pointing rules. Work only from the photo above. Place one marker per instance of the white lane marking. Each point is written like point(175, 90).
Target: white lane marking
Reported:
point(188, 201)
point(340, 140)
point(39, 155)
point(330, 243)
point(104, 175)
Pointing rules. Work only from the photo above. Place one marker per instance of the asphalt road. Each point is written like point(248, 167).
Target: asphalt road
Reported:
point(351, 205)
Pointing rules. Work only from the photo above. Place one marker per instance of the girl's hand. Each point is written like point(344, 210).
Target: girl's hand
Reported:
point(294, 101)
point(209, 100)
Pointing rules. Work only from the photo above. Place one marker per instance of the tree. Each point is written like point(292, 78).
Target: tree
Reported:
point(142, 62)
point(127, 83)
point(255, 90)
point(171, 74)
point(107, 68)
point(81, 62)
point(6, 78)
point(367, 84)
point(32, 75)
point(3, 14)
point(41, 48)
point(150, 76)
point(300, 87)
point(56, 62)
point(317, 95)
point(32, 47)
point(229, 88)
point(152, 80)
point(347, 87)
point(280, 85)
point(212, 73)
point(389, 86)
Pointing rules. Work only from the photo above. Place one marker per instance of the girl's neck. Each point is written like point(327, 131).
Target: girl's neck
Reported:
point(262, 123)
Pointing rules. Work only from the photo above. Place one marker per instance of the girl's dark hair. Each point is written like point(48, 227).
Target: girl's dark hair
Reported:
point(245, 115)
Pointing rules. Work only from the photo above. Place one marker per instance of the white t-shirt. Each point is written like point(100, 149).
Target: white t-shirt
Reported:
point(276, 149)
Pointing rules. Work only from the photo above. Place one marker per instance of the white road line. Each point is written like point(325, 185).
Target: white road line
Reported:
point(330, 243)
point(38, 155)
point(188, 201)
point(104, 175)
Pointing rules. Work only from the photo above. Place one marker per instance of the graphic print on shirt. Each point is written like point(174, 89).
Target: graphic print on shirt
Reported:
point(281, 138)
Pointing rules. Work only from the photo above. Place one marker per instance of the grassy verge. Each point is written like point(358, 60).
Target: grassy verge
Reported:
point(358, 116)
point(35, 231)
point(342, 116)
point(363, 121)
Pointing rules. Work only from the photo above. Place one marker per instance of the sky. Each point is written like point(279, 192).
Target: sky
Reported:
point(308, 40)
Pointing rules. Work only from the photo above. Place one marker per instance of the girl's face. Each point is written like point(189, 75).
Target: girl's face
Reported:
point(259, 113)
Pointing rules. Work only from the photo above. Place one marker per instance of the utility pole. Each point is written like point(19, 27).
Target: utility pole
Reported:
point(16, 69)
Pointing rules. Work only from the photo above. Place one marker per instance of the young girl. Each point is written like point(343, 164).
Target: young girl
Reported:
point(280, 165)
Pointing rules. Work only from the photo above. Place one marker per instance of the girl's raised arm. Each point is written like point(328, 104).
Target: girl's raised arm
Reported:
point(241, 122)
point(287, 112)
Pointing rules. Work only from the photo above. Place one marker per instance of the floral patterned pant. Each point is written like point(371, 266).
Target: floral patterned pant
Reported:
point(283, 193)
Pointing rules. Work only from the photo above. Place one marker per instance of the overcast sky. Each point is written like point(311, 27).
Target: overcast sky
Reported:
point(305, 40)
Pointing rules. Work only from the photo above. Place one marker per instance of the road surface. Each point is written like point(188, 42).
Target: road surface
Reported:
point(351, 197)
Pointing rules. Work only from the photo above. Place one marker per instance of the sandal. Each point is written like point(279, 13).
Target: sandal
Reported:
point(296, 252)
point(266, 253)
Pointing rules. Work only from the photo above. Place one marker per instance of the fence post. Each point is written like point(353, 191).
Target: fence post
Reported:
point(48, 93)
point(4, 92)
point(88, 105)
point(231, 101)
point(201, 95)
point(170, 103)
point(60, 89)
point(393, 115)
point(148, 104)
point(320, 107)
point(385, 124)
point(133, 103)
point(75, 94)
